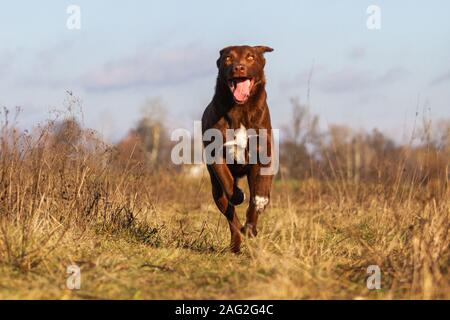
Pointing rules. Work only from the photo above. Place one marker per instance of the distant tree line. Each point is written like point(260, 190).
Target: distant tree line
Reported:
point(306, 150)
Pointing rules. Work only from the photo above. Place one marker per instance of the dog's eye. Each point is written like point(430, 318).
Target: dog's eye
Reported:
point(227, 59)
point(250, 58)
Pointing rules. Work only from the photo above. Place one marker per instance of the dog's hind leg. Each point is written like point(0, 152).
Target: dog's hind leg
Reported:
point(227, 208)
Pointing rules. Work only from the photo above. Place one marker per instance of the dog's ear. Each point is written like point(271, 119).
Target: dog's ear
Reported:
point(263, 49)
point(221, 52)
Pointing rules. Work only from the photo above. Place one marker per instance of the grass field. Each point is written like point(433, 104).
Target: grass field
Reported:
point(139, 234)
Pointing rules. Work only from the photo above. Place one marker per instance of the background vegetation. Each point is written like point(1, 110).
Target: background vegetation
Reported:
point(141, 228)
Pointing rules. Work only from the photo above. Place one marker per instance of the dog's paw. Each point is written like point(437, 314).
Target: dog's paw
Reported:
point(236, 240)
point(249, 230)
point(238, 196)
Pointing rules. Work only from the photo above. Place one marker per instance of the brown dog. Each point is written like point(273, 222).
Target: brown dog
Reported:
point(240, 103)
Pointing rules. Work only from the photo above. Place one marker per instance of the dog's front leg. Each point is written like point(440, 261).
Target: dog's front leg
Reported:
point(227, 182)
point(260, 186)
point(228, 210)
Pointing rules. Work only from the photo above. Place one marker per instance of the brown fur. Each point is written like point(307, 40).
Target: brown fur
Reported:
point(223, 113)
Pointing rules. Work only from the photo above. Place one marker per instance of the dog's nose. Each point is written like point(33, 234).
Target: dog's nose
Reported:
point(239, 68)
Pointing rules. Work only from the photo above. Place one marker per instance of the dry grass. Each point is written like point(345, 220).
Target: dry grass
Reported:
point(138, 234)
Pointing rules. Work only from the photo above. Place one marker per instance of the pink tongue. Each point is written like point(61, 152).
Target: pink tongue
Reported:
point(242, 90)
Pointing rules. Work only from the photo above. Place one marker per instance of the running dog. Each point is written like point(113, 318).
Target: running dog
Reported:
point(239, 103)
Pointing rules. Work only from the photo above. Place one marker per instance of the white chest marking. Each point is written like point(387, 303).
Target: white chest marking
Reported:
point(240, 138)
point(239, 143)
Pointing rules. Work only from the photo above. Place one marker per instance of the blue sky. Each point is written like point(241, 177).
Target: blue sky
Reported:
point(129, 52)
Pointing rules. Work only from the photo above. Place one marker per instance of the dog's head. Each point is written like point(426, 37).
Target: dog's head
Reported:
point(241, 68)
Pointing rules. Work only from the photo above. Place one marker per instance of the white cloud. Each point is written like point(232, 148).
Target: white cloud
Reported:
point(351, 79)
point(7, 59)
point(442, 78)
point(357, 53)
point(151, 68)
